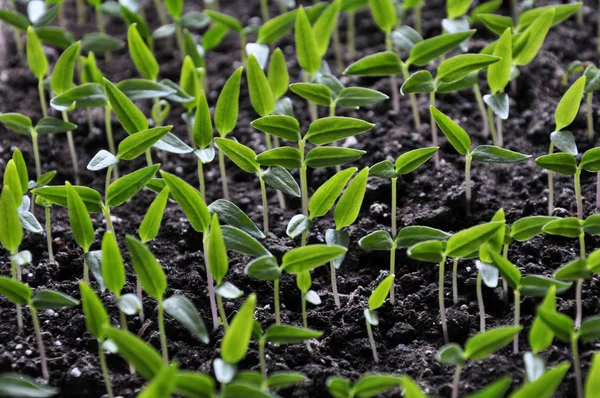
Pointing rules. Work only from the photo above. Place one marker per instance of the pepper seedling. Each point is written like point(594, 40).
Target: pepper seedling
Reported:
point(477, 348)
point(376, 300)
point(21, 294)
point(461, 142)
point(378, 383)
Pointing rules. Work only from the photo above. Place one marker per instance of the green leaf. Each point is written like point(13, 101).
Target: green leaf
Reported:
point(36, 58)
point(560, 324)
point(499, 73)
point(431, 251)
point(530, 41)
point(236, 339)
point(353, 97)
point(325, 196)
point(58, 195)
point(590, 329)
point(454, 133)
point(276, 27)
point(203, 129)
point(540, 335)
point(457, 8)
point(81, 224)
point(564, 141)
point(466, 82)
point(569, 227)
point(569, 104)
point(17, 122)
point(142, 356)
point(174, 8)
point(411, 235)
point(285, 127)
point(140, 89)
point(147, 268)
point(562, 12)
point(50, 125)
point(129, 304)
point(486, 343)
point(136, 144)
point(100, 42)
point(89, 95)
point(153, 217)
point(546, 385)
point(465, 242)
point(591, 225)
point(190, 200)
point(538, 286)
point(378, 240)
point(383, 169)
point(377, 298)
point(331, 156)
point(184, 312)
point(284, 334)
point(194, 384)
point(226, 111)
point(263, 268)
point(225, 19)
point(494, 154)
point(279, 178)
point(309, 257)
point(298, 225)
point(451, 354)
point(573, 270)
point(381, 64)
point(337, 238)
point(13, 385)
point(163, 384)
point(411, 160)
point(96, 318)
point(17, 292)
point(124, 188)
point(141, 55)
point(592, 383)
point(384, 14)
point(51, 300)
point(113, 270)
point(563, 163)
point(307, 49)
point(457, 67)
point(338, 386)
point(313, 92)
point(241, 155)
point(324, 26)
point(281, 380)
point(330, 129)
point(591, 160)
point(496, 389)
point(373, 385)
point(15, 18)
point(55, 36)
point(284, 156)
point(216, 253)
point(170, 143)
point(508, 270)
point(244, 389)
point(132, 119)
point(418, 82)
point(428, 50)
point(231, 214)
point(62, 75)
point(349, 204)
point(21, 166)
point(261, 95)
point(499, 103)
point(410, 388)
point(241, 242)
point(13, 181)
point(496, 23)
point(592, 79)
point(213, 36)
point(278, 76)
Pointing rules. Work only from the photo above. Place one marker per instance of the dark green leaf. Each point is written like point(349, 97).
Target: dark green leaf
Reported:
point(147, 268)
point(142, 356)
point(486, 343)
point(331, 156)
point(184, 312)
point(124, 188)
point(381, 64)
point(190, 200)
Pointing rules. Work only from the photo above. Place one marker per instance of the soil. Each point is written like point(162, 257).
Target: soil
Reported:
point(409, 333)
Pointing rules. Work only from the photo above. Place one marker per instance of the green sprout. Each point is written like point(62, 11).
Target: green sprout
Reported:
point(379, 383)
point(376, 300)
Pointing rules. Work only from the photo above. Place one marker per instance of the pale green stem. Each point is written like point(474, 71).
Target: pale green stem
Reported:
point(211, 289)
point(263, 363)
point(268, 142)
point(223, 176)
point(455, 281)
point(179, 38)
point(161, 329)
point(578, 303)
point(42, 98)
point(149, 160)
point(514, 10)
point(80, 12)
point(72, 149)
point(110, 138)
point(276, 301)
point(393, 272)
point(372, 342)
point(418, 20)
point(222, 313)
point(337, 49)
point(38, 164)
point(480, 303)
point(160, 10)
point(441, 300)
point(350, 36)
point(579, 17)
point(434, 137)
point(577, 365)
point(305, 321)
point(86, 269)
point(265, 204)
point(49, 234)
point(140, 296)
point(40, 342)
point(413, 100)
point(456, 381)
point(468, 183)
point(482, 110)
point(504, 281)
point(517, 320)
point(393, 79)
point(393, 209)
point(590, 120)
point(104, 368)
point(15, 269)
point(500, 131)
point(492, 126)
point(264, 10)
point(550, 185)
point(577, 178)
point(201, 179)
point(334, 289)
point(243, 45)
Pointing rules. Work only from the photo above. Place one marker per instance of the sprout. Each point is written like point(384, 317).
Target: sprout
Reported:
point(376, 300)
point(341, 387)
point(224, 23)
point(38, 64)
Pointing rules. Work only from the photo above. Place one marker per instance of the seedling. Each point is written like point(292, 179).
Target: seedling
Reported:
point(222, 24)
point(377, 383)
point(38, 64)
point(304, 283)
point(477, 348)
point(21, 294)
point(461, 142)
point(20, 23)
point(12, 384)
point(498, 76)
point(81, 225)
point(546, 384)
point(376, 300)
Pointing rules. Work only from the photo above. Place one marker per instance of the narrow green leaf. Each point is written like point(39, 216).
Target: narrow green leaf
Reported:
point(569, 104)
point(62, 75)
point(331, 156)
point(229, 213)
point(184, 312)
point(124, 188)
point(287, 157)
point(418, 82)
point(494, 154)
point(17, 292)
point(216, 253)
point(13, 385)
point(563, 163)
point(58, 195)
point(278, 76)
point(163, 383)
point(241, 155)
point(52, 300)
point(592, 384)
point(153, 217)
point(226, 111)
point(141, 55)
point(451, 354)
point(96, 318)
point(132, 119)
point(236, 339)
point(380, 293)
point(242, 242)
point(454, 133)
point(591, 160)
point(261, 95)
point(381, 64)
point(465, 242)
point(540, 335)
point(508, 270)
point(113, 269)
point(431, 251)
point(384, 14)
point(263, 268)
point(285, 334)
point(307, 50)
point(486, 343)
point(348, 207)
point(203, 128)
point(325, 196)
point(225, 19)
point(136, 144)
point(461, 65)
point(568, 227)
point(190, 200)
point(81, 224)
point(499, 73)
point(142, 356)
point(428, 50)
point(546, 385)
point(378, 240)
point(564, 141)
point(279, 178)
point(313, 92)
point(147, 268)
point(17, 122)
point(36, 58)
point(496, 389)
point(560, 324)
point(411, 160)
point(411, 235)
point(306, 258)
point(530, 41)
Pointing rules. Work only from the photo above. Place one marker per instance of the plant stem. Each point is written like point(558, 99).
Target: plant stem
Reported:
point(418, 19)
point(211, 289)
point(40, 342)
point(264, 10)
point(413, 100)
point(303, 182)
point(222, 312)
point(434, 137)
point(161, 329)
point(492, 126)
point(42, 98)
point(517, 320)
point(504, 281)
point(441, 301)
point(590, 120)
point(393, 79)
point(276, 301)
point(160, 10)
point(577, 365)
point(577, 182)
point(393, 272)
point(268, 142)
point(105, 375)
point(350, 35)
point(337, 49)
point(393, 209)
point(305, 321)
point(500, 131)
point(468, 184)
point(480, 303)
point(201, 179)
point(110, 138)
point(100, 27)
point(49, 234)
point(38, 164)
point(372, 341)
point(223, 176)
point(481, 105)
point(80, 12)
point(514, 10)
point(578, 291)
point(455, 281)
point(72, 149)
point(598, 190)
point(16, 276)
point(86, 269)
point(140, 296)
point(550, 185)
point(579, 17)
point(263, 363)
point(179, 38)
point(334, 290)
point(265, 204)
point(19, 42)
point(149, 160)
point(456, 381)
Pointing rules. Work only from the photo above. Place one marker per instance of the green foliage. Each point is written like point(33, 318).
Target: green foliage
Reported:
point(384, 14)
point(237, 338)
point(226, 111)
point(307, 49)
point(62, 75)
point(36, 58)
point(141, 55)
point(96, 318)
point(377, 298)
point(190, 200)
point(81, 224)
point(306, 258)
point(349, 204)
point(124, 188)
point(184, 312)
point(568, 107)
point(147, 268)
point(113, 270)
point(142, 356)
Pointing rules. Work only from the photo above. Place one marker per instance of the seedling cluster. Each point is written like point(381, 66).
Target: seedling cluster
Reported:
point(306, 166)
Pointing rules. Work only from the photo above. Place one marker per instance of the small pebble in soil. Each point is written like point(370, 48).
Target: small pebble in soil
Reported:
point(58, 343)
point(75, 372)
point(18, 346)
point(468, 269)
point(50, 312)
point(28, 352)
point(179, 170)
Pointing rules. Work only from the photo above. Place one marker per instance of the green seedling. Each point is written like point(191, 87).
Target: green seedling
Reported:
point(237, 339)
point(38, 64)
point(461, 142)
point(460, 245)
point(498, 76)
point(420, 53)
point(20, 23)
point(350, 7)
point(304, 283)
point(376, 300)
point(477, 348)
point(222, 24)
point(81, 225)
point(372, 385)
point(20, 294)
point(407, 237)
point(546, 385)
point(12, 384)
point(573, 67)
point(592, 83)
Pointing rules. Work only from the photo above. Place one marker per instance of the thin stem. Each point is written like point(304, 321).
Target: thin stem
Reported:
point(590, 120)
point(108, 218)
point(577, 182)
point(481, 105)
point(19, 43)
point(140, 296)
point(455, 281)
point(49, 234)
point(372, 341)
point(276, 301)
point(80, 12)
point(149, 160)
point(514, 10)
point(40, 342)
point(598, 190)
point(456, 381)
point(16, 276)
point(393, 209)
point(500, 131)
point(468, 184)
point(504, 281)
point(243, 48)
point(38, 165)
point(393, 272)
point(434, 137)
point(223, 176)
point(480, 303)
point(104, 368)
point(201, 179)
point(90, 120)
point(179, 38)
point(162, 15)
point(222, 312)
point(265, 204)
point(211, 290)
point(492, 126)
point(161, 329)
point(303, 182)
point(441, 301)
point(109, 137)
point(334, 290)
point(86, 269)
point(393, 79)
point(579, 17)
point(517, 320)
point(579, 313)
point(350, 35)
point(337, 49)
point(72, 149)
point(413, 100)
point(268, 142)
point(263, 362)
point(550, 185)
point(577, 365)
point(418, 19)
point(42, 98)
point(264, 10)
point(305, 321)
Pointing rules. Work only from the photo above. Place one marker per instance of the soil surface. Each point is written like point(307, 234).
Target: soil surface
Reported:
point(409, 333)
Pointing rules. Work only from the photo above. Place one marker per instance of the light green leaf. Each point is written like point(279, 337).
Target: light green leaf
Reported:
point(307, 49)
point(226, 111)
point(428, 50)
point(124, 188)
point(381, 64)
point(486, 343)
point(380, 293)
point(36, 58)
point(113, 270)
point(454, 133)
point(132, 119)
point(141, 55)
point(348, 207)
point(190, 200)
point(142, 356)
point(81, 224)
point(136, 144)
point(96, 318)
point(153, 217)
point(569, 104)
point(236, 339)
point(147, 268)
point(62, 75)
point(261, 95)
point(306, 258)
point(184, 312)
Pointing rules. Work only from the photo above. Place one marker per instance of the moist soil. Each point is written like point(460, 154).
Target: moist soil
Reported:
point(409, 333)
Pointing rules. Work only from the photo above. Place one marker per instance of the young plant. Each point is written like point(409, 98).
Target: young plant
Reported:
point(12, 384)
point(81, 225)
point(498, 76)
point(236, 341)
point(376, 300)
point(203, 138)
point(377, 383)
point(223, 23)
point(546, 385)
point(461, 142)
point(477, 348)
point(304, 283)
point(21, 294)
point(38, 64)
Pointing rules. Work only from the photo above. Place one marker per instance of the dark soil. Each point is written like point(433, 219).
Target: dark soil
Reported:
point(409, 334)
